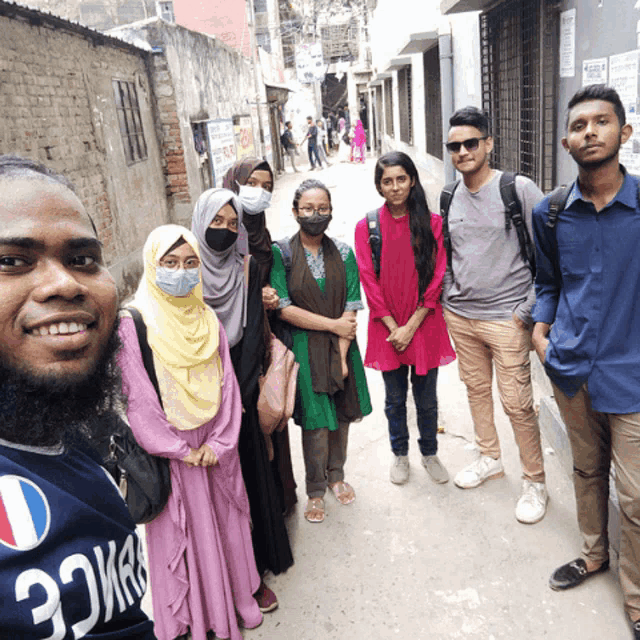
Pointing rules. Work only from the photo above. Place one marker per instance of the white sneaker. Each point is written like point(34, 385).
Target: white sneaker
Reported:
point(481, 469)
point(532, 504)
point(400, 470)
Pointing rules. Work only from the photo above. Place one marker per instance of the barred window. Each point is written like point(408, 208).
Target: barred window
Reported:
point(135, 146)
point(518, 41)
point(405, 104)
point(388, 106)
point(433, 102)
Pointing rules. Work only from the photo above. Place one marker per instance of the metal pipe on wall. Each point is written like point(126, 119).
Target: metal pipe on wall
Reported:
point(446, 91)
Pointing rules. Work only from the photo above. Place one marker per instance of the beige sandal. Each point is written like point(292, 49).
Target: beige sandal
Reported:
point(315, 510)
point(343, 491)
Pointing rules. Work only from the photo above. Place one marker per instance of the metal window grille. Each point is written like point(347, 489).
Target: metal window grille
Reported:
point(340, 42)
point(433, 102)
point(135, 146)
point(518, 89)
point(388, 107)
point(404, 103)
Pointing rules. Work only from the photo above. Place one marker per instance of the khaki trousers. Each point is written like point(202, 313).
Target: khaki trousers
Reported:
point(480, 346)
point(597, 439)
point(324, 453)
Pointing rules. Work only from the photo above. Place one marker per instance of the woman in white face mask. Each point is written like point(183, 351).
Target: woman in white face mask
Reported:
point(252, 180)
point(202, 568)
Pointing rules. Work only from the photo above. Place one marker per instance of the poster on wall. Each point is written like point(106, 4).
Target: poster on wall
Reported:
point(623, 77)
point(243, 130)
point(594, 71)
point(222, 145)
point(568, 44)
point(309, 63)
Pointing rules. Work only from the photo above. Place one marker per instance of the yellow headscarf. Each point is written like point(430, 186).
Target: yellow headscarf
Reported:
point(183, 334)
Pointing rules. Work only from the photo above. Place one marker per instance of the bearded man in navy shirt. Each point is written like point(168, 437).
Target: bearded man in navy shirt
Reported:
point(71, 563)
point(587, 333)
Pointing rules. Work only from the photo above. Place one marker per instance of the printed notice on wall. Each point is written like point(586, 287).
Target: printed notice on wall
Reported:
point(594, 71)
point(623, 77)
point(568, 44)
point(222, 144)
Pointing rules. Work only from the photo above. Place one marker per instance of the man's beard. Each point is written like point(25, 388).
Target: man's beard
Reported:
point(45, 411)
point(595, 164)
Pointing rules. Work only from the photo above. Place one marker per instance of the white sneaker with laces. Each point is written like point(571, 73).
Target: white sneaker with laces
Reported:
point(400, 470)
point(532, 505)
point(481, 469)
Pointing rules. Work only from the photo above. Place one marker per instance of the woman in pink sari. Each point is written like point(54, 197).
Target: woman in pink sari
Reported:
point(202, 567)
point(359, 144)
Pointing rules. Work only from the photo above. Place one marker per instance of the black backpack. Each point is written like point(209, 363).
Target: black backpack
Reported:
point(144, 479)
point(284, 140)
point(513, 215)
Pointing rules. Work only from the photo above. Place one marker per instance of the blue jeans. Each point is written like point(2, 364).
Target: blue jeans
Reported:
point(313, 151)
point(395, 408)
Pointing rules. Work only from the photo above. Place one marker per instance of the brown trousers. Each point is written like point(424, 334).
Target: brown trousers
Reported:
point(325, 453)
point(597, 439)
point(480, 346)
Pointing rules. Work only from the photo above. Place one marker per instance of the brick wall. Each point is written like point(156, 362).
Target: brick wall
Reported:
point(57, 105)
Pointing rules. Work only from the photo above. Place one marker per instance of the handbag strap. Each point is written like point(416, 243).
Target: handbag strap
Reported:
point(147, 354)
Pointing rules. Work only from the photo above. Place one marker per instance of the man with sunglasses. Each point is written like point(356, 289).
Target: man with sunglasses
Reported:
point(487, 298)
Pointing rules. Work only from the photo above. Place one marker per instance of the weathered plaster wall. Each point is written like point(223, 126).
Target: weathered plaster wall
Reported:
point(57, 105)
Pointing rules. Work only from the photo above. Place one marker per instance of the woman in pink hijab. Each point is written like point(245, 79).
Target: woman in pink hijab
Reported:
point(359, 144)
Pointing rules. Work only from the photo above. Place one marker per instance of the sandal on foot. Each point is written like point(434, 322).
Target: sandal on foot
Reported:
point(315, 510)
point(343, 492)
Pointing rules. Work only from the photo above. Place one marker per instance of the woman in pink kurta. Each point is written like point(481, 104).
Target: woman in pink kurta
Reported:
point(202, 567)
point(406, 325)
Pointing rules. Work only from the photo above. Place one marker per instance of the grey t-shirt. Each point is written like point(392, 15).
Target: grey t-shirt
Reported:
point(490, 279)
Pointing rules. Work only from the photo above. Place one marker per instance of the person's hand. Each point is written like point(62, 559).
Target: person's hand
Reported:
point(540, 340)
point(401, 338)
point(345, 369)
point(521, 324)
point(540, 344)
point(270, 298)
point(193, 459)
point(209, 458)
point(345, 327)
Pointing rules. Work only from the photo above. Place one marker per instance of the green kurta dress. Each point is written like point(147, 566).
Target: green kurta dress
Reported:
point(318, 409)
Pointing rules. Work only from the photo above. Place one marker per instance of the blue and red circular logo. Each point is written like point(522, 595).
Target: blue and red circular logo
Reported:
point(25, 516)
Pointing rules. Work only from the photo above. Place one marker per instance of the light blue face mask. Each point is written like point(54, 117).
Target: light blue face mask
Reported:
point(177, 282)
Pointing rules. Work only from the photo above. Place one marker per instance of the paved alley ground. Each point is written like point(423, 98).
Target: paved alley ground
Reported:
point(425, 561)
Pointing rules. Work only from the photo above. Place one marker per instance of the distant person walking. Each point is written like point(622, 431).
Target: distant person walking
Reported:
point(322, 141)
point(359, 144)
point(289, 145)
point(312, 144)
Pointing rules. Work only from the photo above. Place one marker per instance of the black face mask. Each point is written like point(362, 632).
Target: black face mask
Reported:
point(220, 239)
point(315, 224)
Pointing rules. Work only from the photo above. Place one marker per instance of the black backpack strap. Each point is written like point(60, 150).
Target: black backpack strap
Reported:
point(285, 251)
point(513, 214)
point(147, 354)
point(445, 204)
point(375, 239)
point(557, 202)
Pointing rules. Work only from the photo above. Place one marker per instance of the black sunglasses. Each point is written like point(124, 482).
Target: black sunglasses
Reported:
point(470, 145)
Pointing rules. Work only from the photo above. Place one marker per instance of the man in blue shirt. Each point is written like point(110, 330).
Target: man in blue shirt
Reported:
point(587, 333)
point(71, 562)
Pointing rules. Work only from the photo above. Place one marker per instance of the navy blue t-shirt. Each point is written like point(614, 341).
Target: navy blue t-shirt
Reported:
point(71, 562)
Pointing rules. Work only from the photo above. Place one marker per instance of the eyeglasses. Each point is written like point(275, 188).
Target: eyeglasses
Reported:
point(308, 211)
point(470, 145)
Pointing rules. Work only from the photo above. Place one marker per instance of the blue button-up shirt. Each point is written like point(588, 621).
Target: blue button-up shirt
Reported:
point(588, 288)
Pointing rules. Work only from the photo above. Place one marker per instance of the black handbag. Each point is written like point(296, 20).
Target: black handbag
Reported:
point(144, 479)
